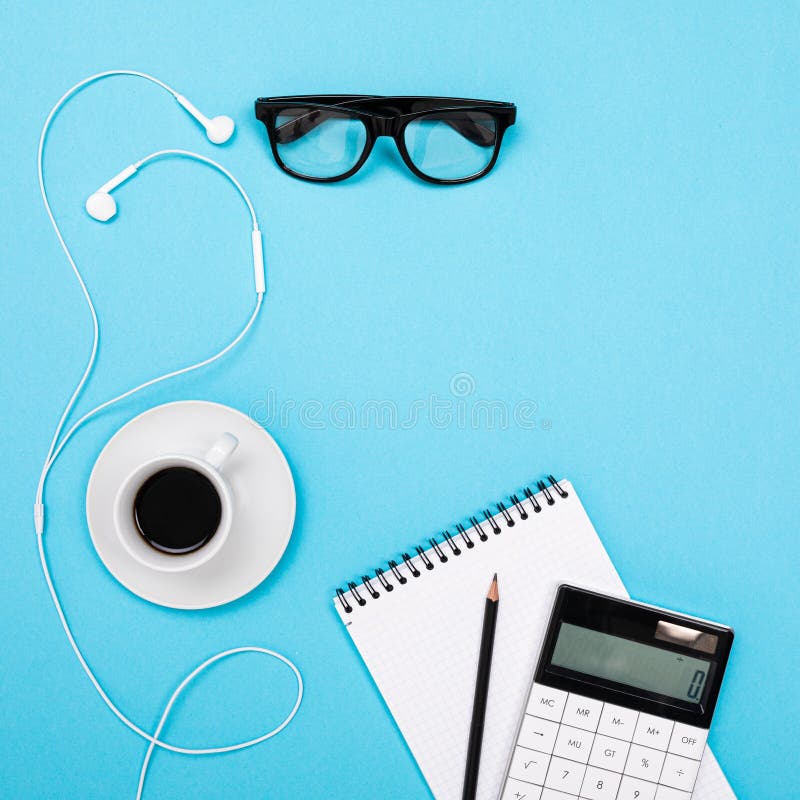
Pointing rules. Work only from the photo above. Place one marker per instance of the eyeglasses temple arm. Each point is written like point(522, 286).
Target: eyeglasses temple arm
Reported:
point(299, 126)
point(473, 131)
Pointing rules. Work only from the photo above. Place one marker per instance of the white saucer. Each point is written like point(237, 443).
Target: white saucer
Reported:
point(263, 514)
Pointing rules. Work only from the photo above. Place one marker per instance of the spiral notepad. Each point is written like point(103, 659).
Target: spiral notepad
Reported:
point(416, 623)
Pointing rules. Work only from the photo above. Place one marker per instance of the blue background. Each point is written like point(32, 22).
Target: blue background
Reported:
point(631, 266)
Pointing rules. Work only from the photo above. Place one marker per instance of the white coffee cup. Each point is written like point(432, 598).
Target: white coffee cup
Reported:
point(209, 466)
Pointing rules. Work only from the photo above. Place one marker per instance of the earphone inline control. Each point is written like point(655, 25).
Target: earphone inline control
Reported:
point(102, 207)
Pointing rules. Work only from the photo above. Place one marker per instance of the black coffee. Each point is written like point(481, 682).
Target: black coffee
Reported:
point(177, 510)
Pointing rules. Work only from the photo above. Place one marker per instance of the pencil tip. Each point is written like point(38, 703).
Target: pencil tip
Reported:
point(494, 594)
point(495, 578)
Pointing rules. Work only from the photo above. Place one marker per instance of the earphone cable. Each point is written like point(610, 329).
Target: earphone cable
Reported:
point(59, 441)
point(43, 191)
point(114, 400)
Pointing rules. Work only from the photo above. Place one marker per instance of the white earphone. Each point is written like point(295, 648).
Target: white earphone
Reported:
point(218, 129)
point(102, 207)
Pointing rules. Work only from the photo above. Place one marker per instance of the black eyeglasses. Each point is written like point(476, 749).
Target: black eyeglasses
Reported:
point(328, 138)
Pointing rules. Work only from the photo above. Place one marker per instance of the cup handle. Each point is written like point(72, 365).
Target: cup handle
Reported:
point(220, 450)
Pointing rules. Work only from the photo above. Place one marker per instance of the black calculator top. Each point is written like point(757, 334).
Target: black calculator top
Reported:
point(645, 658)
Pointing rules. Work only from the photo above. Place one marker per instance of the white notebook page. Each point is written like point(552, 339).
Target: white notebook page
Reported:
point(420, 641)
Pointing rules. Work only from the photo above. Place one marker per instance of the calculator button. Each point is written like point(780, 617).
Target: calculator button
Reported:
point(653, 731)
point(528, 765)
point(644, 762)
point(688, 741)
point(573, 743)
point(582, 712)
point(538, 734)
point(665, 793)
point(517, 790)
point(565, 775)
point(609, 753)
point(600, 784)
point(618, 722)
point(635, 789)
point(679, 772)
point(552, 794)
point(546, 702)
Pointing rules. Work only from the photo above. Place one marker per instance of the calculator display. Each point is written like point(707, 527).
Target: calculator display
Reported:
point(631, 663)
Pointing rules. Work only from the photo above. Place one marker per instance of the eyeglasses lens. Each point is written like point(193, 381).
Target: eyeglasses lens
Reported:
point(319, 142)
point(451, 145)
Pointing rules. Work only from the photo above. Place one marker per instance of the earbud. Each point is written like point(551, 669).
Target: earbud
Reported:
point(218, 129)
point(101, 205)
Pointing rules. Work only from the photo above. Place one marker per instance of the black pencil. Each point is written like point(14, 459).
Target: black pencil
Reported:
point(481, 693)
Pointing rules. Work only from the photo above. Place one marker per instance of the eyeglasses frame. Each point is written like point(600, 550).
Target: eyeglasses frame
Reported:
point(381, 124)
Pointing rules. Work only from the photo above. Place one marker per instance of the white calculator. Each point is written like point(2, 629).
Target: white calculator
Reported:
point(620, 704)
